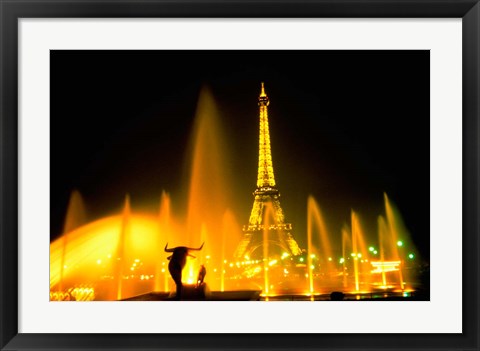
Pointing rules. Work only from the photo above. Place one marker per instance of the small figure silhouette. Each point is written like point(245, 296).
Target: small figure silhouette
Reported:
point(178, 259)
point(201, 275)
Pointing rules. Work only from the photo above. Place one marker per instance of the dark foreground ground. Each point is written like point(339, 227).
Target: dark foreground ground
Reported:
point(255, 295)
point(245, 295)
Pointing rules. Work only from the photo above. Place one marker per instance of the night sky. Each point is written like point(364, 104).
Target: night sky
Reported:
point(345, 126)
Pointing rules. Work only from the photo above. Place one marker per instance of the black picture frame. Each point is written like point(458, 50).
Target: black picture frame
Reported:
point(11, 11)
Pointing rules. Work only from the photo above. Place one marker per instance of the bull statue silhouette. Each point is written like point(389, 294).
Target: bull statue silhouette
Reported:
point(178, 259)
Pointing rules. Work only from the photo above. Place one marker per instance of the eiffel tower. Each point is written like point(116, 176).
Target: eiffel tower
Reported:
point(266, 194)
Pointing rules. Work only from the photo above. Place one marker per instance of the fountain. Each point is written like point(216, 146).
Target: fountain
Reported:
point(208, 186)
point(345, 241)
point(121, 256)
point(75, 218)
point(164, 231)
point(360, 255)
point(324, 250)
point(268, 216)
point(382, 235)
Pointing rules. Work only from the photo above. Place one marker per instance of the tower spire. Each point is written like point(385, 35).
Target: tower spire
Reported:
point(265, 176)
point(262, 92)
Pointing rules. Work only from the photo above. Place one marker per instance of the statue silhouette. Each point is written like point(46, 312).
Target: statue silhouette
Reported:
point(201, 275)
point(178, 259)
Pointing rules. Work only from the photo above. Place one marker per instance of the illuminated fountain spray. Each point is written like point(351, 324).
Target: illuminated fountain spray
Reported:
point(209, 187)
point(315, 220)
point(359, 254)
point(224, 242)
point(268, 216)
point(231, 234)
point(190, 272)
point(163, 236)
point(382, 237)
point(75, 218)
point(124, 233)
point(395, 241)
point(266, 287)
point(309, 255)
point(355, 251)
point(122, 255)
point(116, 256)
point(346, 243)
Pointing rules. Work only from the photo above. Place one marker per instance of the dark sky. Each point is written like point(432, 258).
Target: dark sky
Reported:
point(345, 127)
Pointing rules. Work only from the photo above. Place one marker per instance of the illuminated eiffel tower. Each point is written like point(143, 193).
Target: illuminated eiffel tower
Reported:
point(266, 193)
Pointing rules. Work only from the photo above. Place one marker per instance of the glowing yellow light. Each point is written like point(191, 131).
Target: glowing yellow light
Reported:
point(272, 262)
point(386, 266)
point(99, 261)
point(329, 258)
point(312, 255)
point(231, 264)
point(137, 260)
point(163, 270)
point(342, 260)
point(131, 268)
point(312, 266)
point(353, 254)
point(359, 255)
point(208, 257)
point(265, 166)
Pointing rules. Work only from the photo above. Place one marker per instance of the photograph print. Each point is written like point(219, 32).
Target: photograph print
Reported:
point(240, 175)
